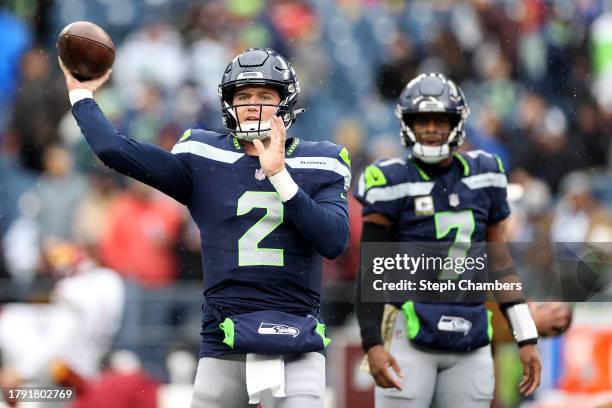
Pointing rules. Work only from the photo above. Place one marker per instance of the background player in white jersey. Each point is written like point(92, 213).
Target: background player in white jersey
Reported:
point(268, 208)
point(438, 195)
point(66, 339)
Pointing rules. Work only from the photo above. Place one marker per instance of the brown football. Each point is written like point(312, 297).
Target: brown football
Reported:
point(86, 50)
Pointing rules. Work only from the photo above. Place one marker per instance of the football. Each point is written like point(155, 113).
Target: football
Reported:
point(86, 50)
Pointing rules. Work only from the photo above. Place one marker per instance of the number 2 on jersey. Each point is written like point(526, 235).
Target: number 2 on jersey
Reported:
point(249, 252)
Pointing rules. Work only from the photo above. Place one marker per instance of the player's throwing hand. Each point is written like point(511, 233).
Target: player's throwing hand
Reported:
point(272, 157)
point(72, 83)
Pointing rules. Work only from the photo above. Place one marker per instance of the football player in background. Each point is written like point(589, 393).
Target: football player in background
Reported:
point(438, 195)
point(268, 208)
point(63, 342)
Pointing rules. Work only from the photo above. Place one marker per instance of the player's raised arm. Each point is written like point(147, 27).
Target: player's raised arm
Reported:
point(145, 162)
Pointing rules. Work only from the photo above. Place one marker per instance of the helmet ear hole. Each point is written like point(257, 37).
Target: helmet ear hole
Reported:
point(408, 120)
point(455, 120)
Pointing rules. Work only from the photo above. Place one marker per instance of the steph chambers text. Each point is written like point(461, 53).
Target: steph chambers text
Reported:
point(445, 286)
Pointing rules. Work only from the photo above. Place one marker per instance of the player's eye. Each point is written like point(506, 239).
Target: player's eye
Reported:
point(421, 123)
point(265, 97)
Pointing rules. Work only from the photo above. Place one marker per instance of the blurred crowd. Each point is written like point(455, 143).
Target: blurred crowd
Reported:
point(537, 75)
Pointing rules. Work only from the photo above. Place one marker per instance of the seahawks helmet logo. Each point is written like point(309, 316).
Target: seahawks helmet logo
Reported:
point(273, 328)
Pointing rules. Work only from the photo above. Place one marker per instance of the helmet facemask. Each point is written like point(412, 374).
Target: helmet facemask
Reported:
point(428, 146)
point(254, 129)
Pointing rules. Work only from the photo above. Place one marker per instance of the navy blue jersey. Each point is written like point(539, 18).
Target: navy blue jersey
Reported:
point(472, 192)
point(451, 205)
point(258, 253)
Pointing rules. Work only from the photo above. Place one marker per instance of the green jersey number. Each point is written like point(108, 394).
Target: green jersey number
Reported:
point(249, 252)
point(464, 224)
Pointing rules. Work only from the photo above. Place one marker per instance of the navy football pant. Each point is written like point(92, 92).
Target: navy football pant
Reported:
point(221, 383)
point(436, 378)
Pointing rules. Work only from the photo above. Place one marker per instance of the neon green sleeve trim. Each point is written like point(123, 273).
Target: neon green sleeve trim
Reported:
point(490, 324)
point(228, 328)
point(413, 325)
point(320, 329)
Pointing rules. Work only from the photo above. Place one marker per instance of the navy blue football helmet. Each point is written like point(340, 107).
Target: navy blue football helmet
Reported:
point(432, 93)
point(258, 66)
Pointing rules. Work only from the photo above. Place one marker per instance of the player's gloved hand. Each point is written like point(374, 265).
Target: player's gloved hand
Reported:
point(72, 83)
point(532, 369)
point(272, 156)
point(380, 360)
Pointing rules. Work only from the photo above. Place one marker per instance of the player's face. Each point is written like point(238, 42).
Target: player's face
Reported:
point(255, 103)
point(431, 129)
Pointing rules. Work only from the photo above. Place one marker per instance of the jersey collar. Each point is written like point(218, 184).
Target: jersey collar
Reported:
point(290, 144)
